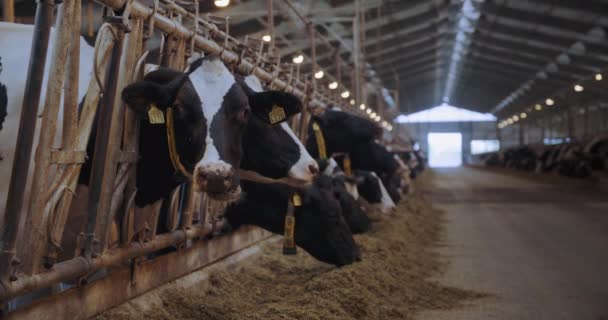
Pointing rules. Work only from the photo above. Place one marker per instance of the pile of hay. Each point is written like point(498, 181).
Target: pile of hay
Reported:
point(393, 281)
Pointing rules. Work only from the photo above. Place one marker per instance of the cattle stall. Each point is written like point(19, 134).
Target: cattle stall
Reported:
point(83, 250)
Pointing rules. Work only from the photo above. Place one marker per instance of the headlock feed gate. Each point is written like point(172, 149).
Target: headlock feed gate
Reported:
point(86, 249)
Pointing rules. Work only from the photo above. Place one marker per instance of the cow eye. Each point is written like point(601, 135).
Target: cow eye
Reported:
point(243, 116)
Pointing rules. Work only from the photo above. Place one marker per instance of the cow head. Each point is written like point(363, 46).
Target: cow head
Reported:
point(320, 228)
point(341, 131)
point(211, 112)
point(274, 150)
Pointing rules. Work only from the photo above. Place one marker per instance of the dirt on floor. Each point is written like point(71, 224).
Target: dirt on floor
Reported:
point(393, 281)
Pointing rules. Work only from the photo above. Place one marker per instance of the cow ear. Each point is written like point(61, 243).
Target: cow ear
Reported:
point(274, 106)
point(140, 95)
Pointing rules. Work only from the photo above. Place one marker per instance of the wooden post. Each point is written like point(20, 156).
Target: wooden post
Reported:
point(25, 137)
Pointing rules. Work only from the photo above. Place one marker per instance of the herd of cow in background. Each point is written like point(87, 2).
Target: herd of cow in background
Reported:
point(579, 159)
point(232, 142)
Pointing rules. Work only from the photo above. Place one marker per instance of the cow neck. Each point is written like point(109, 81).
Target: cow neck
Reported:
point(173, 153)
point(253, 176)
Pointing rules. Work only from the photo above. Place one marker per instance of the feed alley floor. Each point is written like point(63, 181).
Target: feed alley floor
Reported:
point(538, 246)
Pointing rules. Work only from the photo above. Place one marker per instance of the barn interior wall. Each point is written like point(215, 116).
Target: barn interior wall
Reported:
point(469, 130)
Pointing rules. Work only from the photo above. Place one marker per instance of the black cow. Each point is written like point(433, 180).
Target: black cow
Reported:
point(346, 133)
point(320, 228)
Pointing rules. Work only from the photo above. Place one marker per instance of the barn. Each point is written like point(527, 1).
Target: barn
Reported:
point(303, 159)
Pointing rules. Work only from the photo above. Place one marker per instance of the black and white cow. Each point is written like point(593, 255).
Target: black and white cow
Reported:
point(274, 165)
point(212, 114)
point(346, 133)
point(320, 228)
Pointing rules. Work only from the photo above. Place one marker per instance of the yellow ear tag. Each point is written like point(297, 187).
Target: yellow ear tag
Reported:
point(155, 115)
point(347, 169)
point(320, 141)
point(297, 200)
point(277, 114)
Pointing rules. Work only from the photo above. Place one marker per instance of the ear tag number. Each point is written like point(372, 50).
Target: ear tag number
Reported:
point(277, 114)
point(155, 115)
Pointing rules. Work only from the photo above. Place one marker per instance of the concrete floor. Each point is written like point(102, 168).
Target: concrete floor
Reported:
point(539, 250)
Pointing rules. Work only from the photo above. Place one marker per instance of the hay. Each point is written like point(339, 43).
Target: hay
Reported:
point(392, 282)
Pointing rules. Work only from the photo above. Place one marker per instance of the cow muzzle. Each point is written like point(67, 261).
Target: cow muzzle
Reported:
point(218, 180)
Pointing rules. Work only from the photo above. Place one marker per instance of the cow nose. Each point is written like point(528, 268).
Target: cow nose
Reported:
point(314, 169)
point(214, 179)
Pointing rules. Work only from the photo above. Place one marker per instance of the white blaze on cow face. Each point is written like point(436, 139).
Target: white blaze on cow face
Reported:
point(386, 204)
point(304, 170)
point(212, 81)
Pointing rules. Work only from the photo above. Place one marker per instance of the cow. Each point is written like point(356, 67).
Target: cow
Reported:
point(346, 133)
point(320, 228)
point(344, 189)
point(274, 165)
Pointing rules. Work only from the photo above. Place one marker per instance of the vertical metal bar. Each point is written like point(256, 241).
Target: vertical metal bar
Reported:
point(100, 155)
point(25, 136)
point(271, 25)
point(8, 10)
point(357, 53)
point(90, 31)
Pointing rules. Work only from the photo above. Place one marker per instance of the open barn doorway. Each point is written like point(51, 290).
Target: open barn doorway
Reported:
point(445, 149)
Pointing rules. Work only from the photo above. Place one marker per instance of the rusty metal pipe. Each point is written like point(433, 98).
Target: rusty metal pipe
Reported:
point(81, 266)
point(100, 155)
point(25, 137)
point(8, 10)
point(139, 10)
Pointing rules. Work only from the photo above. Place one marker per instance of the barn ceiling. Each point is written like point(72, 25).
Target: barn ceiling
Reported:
point(490, 56)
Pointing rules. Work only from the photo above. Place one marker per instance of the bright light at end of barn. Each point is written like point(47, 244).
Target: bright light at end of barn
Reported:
point(333, 85)
point(549, 102)
point(298, 59)
point(599, 77)
point(345, 94)
point(578, 88)
point(362, 106)
point(319, 74)
point(266, 38)
point(221, 3)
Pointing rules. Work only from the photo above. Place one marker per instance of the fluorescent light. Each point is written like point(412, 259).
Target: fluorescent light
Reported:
point(362, 106)
point(221, 3)
point(578, 88)
point(298, 59)
point(345, 94)
point(549, 102)
point(538, 107)
point(599, 77)
point(333, 85)
point(319, 74)
point(266, 38)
